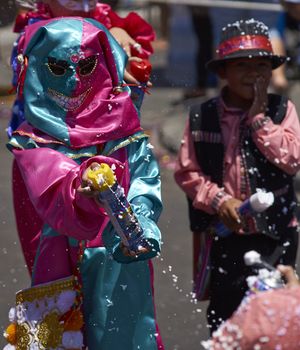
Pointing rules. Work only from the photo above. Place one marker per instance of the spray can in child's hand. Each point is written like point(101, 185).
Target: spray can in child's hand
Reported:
point(113, 198)
point(268, 277)
point(257, 203)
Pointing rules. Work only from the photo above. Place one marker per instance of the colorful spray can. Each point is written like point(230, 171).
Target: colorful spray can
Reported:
point(114, 200)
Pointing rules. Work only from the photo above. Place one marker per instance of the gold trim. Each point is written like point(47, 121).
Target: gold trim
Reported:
point(80, 155)
point(36, 138)
point(24, 337)
point(126, 142)
point(50, 331)
point(69, 155)
point(45, 290)
point(93, 69)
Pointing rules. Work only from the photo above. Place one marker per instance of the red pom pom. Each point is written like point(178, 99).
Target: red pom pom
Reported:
point(141, 70)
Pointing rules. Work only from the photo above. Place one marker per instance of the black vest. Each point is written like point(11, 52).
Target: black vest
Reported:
point(206, 132)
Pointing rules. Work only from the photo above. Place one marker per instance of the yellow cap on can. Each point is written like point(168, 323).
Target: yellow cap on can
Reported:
point(102, 177)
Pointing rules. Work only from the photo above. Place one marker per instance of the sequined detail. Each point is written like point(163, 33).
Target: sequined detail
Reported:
point(74, 58)
point(87, 66)
point(45, 290)
point(50, 331)
point(205, 136)
point(49, 315)
point(68, 103)
point(24, 338)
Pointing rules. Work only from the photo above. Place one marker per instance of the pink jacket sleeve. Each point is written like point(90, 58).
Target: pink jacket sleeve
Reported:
point(140, 30)
point(279, 143)
point(268, 320)
point(206, 195)
point(52, 180)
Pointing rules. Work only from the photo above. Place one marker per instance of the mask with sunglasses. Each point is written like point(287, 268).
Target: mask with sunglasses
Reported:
point(74, 67)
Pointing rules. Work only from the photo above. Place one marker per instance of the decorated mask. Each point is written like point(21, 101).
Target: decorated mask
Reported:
point(74, 68)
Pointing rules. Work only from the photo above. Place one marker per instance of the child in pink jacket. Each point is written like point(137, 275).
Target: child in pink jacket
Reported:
point(242, 141)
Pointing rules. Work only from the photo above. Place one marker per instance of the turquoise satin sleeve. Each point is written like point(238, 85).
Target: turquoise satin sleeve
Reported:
point(21, 142)
point(145, 198)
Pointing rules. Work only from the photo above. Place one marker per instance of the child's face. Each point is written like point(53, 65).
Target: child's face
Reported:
point(242, 73)
point(70, 7)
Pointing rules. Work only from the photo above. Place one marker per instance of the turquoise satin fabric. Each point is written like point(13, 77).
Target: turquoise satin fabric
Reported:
point(118, 303)
point(121, 311)
point(51, 117)
point(144, 197)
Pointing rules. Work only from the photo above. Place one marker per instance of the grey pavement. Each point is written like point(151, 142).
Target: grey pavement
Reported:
point(7, 37)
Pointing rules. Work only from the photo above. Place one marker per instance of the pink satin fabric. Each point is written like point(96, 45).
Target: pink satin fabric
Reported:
point(28, 222)
point(51, 185)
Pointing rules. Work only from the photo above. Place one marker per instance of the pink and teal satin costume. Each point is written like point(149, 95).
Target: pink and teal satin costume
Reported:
point(75, 117)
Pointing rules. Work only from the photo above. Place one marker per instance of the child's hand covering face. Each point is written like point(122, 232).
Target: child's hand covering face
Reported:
point(243, 76)
point(260, 101)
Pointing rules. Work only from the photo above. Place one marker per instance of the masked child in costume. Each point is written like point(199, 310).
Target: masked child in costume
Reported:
point(76, 117)
point(235, 144)
point(132, 32)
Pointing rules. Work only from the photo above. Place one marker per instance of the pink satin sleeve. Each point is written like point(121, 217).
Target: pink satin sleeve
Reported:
point(280, 143)
point(191, 179)
point(52, 180)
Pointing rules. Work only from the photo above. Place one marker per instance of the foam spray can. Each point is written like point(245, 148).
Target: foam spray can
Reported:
point(114, 200)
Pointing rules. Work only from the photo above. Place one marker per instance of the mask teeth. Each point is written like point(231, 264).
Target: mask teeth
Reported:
point(68, 103)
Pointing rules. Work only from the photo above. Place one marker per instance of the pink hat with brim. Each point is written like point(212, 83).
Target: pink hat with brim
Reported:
point(244, 39)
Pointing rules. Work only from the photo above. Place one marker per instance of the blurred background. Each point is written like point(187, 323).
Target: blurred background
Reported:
point(186, 34)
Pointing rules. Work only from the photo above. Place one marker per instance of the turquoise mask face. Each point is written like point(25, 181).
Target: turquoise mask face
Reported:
point(68, 77)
